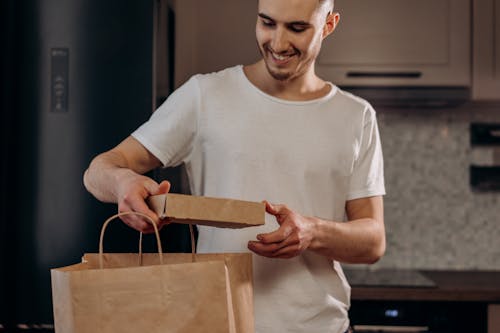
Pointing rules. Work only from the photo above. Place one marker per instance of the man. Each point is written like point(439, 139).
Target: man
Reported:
point(271, 130)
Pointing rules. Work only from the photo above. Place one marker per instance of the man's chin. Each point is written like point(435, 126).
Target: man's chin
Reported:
point(280, 76)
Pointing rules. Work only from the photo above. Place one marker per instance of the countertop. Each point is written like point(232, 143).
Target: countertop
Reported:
point(425, 285)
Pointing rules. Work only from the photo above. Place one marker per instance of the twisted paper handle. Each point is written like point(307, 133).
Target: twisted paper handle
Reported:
point(157, 234)
point(150, 220)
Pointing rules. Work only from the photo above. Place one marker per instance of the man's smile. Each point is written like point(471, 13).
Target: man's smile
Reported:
point(280, 58)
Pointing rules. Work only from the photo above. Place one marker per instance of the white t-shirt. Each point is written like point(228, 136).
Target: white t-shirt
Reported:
point(239, 142)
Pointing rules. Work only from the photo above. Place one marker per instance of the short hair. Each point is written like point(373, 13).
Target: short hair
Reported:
point(328, 3)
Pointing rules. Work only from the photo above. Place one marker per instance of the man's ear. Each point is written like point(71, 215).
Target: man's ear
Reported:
point(332, 20)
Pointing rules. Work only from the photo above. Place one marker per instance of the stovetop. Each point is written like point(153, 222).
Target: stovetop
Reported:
point(387, 278)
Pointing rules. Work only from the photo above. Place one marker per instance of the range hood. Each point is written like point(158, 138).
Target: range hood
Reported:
point(397, 52)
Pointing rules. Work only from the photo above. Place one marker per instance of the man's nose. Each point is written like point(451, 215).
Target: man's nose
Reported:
point(280, 42)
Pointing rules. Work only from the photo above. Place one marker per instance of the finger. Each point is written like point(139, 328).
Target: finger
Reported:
point(288, 251)
point(163, 222)
point(154, 189)
point(150, 229)
point(163, 188)
point(140, 225)
point(138, 222)
point(285, 253)
point(136, 200)
point(139, 205)
point(263, 248)
point(272, 209)
point(151, 188)
point(282, 254)
point(259, 249)
point(271, 250)
point(279, 235)
point(276, 209)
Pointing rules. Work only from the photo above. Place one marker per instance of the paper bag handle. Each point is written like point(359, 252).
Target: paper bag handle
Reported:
point(193, 245)
point(150, 220)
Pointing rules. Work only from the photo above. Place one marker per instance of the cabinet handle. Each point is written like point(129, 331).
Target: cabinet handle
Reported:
point(406, 75)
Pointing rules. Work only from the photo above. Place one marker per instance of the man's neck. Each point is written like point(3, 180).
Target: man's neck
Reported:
point(306, 87)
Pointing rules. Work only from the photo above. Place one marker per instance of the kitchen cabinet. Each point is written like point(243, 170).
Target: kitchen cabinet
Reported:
point(211, 35)
point(486, 50)
point(377, 43)
point(386, 43)
point(494, 318)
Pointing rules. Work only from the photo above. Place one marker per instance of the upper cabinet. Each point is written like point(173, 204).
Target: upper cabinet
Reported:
point(211, 35)
point(399, 43)
point(434, 48)
point(486, 50)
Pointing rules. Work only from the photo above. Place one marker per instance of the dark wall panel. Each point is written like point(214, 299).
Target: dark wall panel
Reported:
point(98, 56)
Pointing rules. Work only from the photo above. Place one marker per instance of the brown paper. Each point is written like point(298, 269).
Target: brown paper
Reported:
point(214, 292)
point(216, 212)
point(173, 292)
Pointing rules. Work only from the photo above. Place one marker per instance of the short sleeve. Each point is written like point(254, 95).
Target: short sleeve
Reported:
point(171, 131)
point(368, 173)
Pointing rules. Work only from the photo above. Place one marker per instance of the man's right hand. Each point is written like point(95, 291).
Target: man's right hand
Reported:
point(117, 176)
point(132, 192)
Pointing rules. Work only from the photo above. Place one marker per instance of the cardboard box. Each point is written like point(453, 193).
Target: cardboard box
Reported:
point(215, 212)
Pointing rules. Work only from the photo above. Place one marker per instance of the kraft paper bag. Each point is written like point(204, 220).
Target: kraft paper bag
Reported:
point(174, 292)
point(215, 212)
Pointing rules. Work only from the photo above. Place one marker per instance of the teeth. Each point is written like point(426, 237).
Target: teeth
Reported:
point(280, 57)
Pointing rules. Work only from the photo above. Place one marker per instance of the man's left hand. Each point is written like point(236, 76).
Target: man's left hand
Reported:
point(294, 235)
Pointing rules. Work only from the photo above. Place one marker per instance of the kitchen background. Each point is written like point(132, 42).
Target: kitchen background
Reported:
point(105, 51)
point(434, 217)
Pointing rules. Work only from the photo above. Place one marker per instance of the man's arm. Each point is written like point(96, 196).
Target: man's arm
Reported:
point(360, 240)
point(116, 176)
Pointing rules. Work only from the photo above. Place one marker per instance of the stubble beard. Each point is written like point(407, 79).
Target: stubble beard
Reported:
point(288, 75)
point(280, 76)
point(277, 75)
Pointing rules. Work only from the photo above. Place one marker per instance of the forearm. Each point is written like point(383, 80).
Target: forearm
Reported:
point(117, 176)
point(105, 174)
point(361, 240)
point(357, 241)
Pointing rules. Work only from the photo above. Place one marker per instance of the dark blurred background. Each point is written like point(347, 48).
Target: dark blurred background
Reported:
point(77, 77)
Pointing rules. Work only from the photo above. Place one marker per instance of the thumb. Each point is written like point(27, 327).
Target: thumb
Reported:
point(273, 209)
point(153, 188)
point(269, 207)
point(164, 187)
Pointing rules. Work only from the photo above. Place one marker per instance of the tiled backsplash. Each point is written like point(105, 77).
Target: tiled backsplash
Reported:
point(433, 218)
